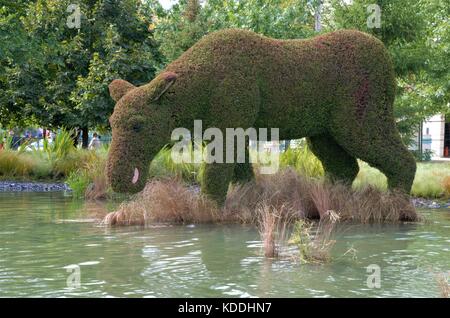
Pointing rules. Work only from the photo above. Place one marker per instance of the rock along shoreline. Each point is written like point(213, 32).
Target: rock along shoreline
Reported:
point(23, 186)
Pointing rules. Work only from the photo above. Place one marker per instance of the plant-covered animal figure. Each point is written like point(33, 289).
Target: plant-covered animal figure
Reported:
point(335, 89)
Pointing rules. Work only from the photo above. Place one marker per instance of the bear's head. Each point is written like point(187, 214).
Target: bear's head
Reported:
point(140, 127)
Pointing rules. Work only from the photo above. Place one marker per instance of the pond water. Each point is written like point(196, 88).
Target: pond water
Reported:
point(42, 234)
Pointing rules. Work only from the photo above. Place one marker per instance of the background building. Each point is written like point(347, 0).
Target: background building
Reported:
point(436, 136)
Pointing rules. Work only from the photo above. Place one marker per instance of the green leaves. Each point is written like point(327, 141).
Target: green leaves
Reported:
point(284, 19)
point(417, 34)
point(61, 77)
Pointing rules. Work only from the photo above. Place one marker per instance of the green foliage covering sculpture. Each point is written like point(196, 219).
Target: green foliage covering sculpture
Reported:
point(336, 89)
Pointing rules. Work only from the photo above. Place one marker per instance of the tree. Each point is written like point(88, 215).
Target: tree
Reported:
point(124, 48)
point(15, 47)
point(184, 24)
point(63, 79)
point(417, 35)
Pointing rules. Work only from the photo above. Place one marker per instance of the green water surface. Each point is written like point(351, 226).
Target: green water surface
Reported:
point(42, 234)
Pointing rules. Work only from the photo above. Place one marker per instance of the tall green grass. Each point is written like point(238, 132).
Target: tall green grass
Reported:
point(430, 180)
point(79, 181)
point(303, 161)
point(20, 165)
point(369, 176)
point(163, 166)
point(55, 161)
point(61, 146)
point(86, 173)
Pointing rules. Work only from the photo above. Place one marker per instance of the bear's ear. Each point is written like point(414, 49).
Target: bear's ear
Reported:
point(164, 81)
point(119, 88)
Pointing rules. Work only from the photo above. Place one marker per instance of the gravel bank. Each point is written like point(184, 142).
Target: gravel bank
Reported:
point(430, 203)
point(19, 186)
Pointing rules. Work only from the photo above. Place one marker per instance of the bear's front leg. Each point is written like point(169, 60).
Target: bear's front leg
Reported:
point(243, 172)
point(215, 181)
point(232, 105)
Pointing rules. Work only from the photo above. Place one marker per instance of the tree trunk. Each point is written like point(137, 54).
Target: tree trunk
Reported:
point(85, 140)
point(75, 137)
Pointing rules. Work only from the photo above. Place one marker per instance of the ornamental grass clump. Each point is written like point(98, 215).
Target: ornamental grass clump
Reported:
point(284, 193)
point(86, 174)
point(165, 201)
point(20, 165)
point(315, 242)
point(163, 166)
point(446, 185)
point(443, 285)
point(273, 225)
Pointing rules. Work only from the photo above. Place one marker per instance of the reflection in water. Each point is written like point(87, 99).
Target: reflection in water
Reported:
point(41, 234)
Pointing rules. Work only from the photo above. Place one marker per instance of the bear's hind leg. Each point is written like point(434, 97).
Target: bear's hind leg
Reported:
point(338, 164)
point(384, 151)
point(393, 159)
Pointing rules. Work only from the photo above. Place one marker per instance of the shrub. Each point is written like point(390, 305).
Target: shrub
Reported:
point(422, 156)
point(19, 165)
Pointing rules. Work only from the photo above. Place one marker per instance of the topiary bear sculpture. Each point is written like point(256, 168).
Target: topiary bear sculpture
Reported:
point(335, 89)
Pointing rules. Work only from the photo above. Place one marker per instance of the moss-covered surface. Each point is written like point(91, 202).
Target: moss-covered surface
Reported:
point(338, 89)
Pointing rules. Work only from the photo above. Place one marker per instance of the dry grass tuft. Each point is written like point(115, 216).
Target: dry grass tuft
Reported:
point(167, 200)
point(323, 242)
point(286, 192)
point(273, 227)
point(285, 188)
point(312, 198)
point(443, 285)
